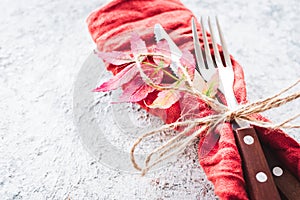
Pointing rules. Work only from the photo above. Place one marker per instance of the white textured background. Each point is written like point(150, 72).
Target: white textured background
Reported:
point(43, 45)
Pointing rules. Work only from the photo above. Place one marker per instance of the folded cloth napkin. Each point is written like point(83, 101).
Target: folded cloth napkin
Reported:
point(222, 164)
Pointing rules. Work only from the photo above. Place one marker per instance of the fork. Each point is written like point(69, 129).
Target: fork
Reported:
point(258, 177)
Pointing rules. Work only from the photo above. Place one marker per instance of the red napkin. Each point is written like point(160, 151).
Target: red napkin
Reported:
point(222, 164)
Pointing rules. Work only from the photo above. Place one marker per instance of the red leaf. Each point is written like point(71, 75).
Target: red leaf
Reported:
point(188, 61)
point(163, 48)
point(135, 90)
point(115, 57)
point(155, 74)
point(137, 44)
point(119, 79)
point(189, 105)
point(165, 99)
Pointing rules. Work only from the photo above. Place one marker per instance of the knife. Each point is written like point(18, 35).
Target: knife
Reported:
point(288, 185)
point(161, 34)
point(260, 183)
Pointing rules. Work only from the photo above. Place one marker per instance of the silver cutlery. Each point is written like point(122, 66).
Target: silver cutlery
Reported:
point(260, 183)
point(161, 34)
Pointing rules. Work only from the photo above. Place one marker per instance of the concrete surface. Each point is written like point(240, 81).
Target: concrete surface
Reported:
point(43, 45)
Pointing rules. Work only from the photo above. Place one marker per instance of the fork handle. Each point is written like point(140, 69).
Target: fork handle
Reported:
point(259, 180)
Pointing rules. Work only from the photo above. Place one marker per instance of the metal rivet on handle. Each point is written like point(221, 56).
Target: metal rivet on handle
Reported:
point(248, 139)
point(261, 177)
point(277, 171)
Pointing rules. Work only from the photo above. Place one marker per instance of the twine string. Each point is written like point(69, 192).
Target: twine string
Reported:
point(223, 114)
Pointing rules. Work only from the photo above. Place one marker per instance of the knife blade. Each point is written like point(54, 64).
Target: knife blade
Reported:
point(161, 34)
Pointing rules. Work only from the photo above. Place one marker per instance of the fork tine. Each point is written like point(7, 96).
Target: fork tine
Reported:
point(198, 51)
point(224, 46)
point(215, 47)
point(209, 61)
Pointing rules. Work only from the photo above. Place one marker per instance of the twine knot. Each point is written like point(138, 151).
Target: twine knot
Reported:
point(231, 115)
point(208, 123)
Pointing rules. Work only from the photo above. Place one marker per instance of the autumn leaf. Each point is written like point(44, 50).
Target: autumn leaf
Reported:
point(189, 105)
point(165, 99)
point(187, 60)
point(119, 79)
point(212, 85)
point(115, 57)
point(153, 72)
point(162, 47)
point(135, 90)
point(137, 45)
point(198, 82)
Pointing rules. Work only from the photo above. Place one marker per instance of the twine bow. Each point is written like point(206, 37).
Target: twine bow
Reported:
point(202, 126)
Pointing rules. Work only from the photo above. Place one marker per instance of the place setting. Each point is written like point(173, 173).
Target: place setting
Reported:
point(164, 81)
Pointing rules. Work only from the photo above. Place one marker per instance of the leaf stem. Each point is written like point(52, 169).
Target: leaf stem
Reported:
point(165, 71)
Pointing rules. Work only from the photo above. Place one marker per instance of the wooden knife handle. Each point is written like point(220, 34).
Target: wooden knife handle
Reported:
point(258, 177)
point(287, 184)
